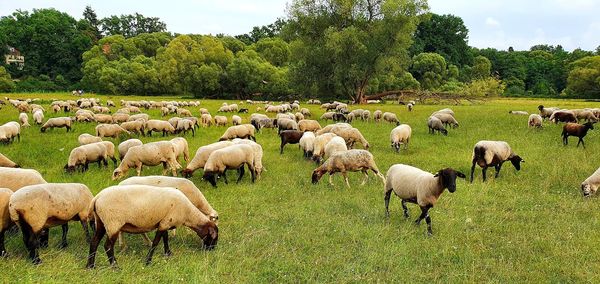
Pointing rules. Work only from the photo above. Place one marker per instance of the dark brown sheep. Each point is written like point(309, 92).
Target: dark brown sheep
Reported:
point(563, 116)
point(578, 130)
point(289, 137)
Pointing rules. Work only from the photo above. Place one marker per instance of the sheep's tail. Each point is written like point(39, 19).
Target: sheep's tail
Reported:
point(91, 213)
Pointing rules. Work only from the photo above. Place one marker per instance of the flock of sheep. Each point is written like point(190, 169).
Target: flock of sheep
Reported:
point(143, 204)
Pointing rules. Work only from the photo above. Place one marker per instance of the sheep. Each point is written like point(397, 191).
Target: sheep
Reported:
point(136, 126)
point(141, 209)
point(306, 143)
point(151, 154)
point(445, 110)
point(236, 120)
point(305, 112)
point(546, 112)
point(410, 106)
point(184, 112)
point(319, 146)
point(434, 124)
point(83, 155)
point(36, 208)
point(220, 120)
point(563, 116)
point(327, 116)
point(201, 157)
point(286, 124)
point(493, 153)
point(232, 157)
point(164, 111)
point(174, 120)
point(244, 131)
point(138, 116)
point(518, 112)
point(366, 115)
point(400, 135)
point(590, 185)
point(206, 119)
point(335, 145)
point(85, 139)
point(309, 125)
point(343, 162)
point(57, 122)
point(351, 136)
point(110, 103)
point(7, 163)
point(577, 130)
point(377, 115)
point(181, 148)
point(358, 112)
point(110, 130)
point(125, 145)
point(587, 115)
point(258, 154)
point(446, 119)
point(298, 116)
point(16, 178)
point(5, 221)
point(9, 131)
point(185, 125)
point(24, 120)
point(535, 120)
point(328, 128)
point(103, 118)
point(38, 117)
point(391, 118)
point(289, 137)
point(159, 126)
point(416, 186)
point(55, 108)
point(337, 117)
point(120, 117)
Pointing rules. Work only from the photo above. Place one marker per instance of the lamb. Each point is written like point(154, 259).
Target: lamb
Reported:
point(201, 157)
point(5, 221)
point(307, 143)
point(289, 137)
point(16, 178)
point(258, 154)
point(416, 186)
point(309, 125)
point(57, 122)
point(335, 145)
point(110, 130)
point(400, 135)
point(447, 119)
point(206, 119)
point(136, 126)
point(232, 157)
point(181, 148)
point(83, 155)
point(151, 154)
point(377, 115)
point(7, 163)
point(125, 145)
point(159, 126)
point(185, 125)
point(563, 116)
point(319, 146)
point(493, 153)
point(578, 130)
point(391, 118)
point(590, 185)
point(85, 139)
point(38, 117)
point(36, 208)
point(535, 120)
point(434, 124)
point(348, 161)
point(546, 112)
point(518, 112)
point(351, 136)
point(120, 209)
point(220, 120)
point(244, 131)
point(24, 119)
point(410, 106)
point(9, 131)
point(236, 120)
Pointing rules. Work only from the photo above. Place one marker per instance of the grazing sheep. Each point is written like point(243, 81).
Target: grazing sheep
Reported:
point(232, 157)
point(16, 178)
point(258, 154)
point(309, 125)
point(220, 120)
point(38, 117)
point(83, 155)
point(244, 131)
point(7, 163)
point(9, 131)
point(206, 119)
point(110, 103)
point(184, 112)
point(164, 111)
point(5, 221)
point(400, 135)
point(201, 157)
point(546, 112)
point(174, 120)
point(410, 106)
point(159, 126)
point(377, 115)
point(305, 112)
point(120, 117)
point(391, 118)
point(518, 112)
point(24, 120)
point(327, 116)
point(36, 208)
point(587, 115)
point(125, 145)
point(110, 130)
point(236, 120)
point(366, 115)
point(329, 128)
point(103, 118)
point(151, 154)
point(348, 161)
point(307, 143)
point(185, 125)
point(434, 124)
point(335, 145)
point(57, 122)
point(136, 126)
point(351, 136)
point(416, 186)
point(289, 137)
point(446, 119)
point(535, 120)
point(141, 209)
point(319, 146)
point(590, 185)
point(445, 110)
point(298, 116)
point(563, 116)
point(577, 130)
point(85, 139)
point(181, 148)
point(139, 116)
point(493, 154)
point(337, 117)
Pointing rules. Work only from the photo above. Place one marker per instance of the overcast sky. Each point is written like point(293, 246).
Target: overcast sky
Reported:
point(491, 23)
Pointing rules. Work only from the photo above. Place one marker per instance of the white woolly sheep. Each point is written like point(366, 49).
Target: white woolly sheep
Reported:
point(493, 154)
point(348, 161)
point(328, 128)
point(138, 116)
point(83, 155)
point(103, 118)
point(38, 117)
point(305, 112)
point(110, 130)
point(327, 116)
point(286, 124)
point(244, 131)
point(232, 157)
point(181, 148)
point(16, 178)
point(258, 154)
point(400, 135)
point(309, 125)
point(9, 131)
point(377, 115)
point(220, 120)
point(586, 115)
point(546, 112)
point(351, 136)
point(307, 143)
point(335, 145)
point(7, 163)
point(319, 146)
point(36, 208)
point(85, 139)
point(126, 209)
point(518, 112)
point(151, 154)
point(185, 125)
point(535, 120)
point(125, 145)
point(298, 116)
point(136, 126)
point(590, 185)
point(434, 123)
point(159, 126)
point(236, 120)
point(24, 120)
point(120, 117)
point(447, 119)
point(5, 221)
point(391, 118)
point(419, 187)
point(174, 120)
point(57, 122)
point(202, 155)
point(446, 110)
point(366, 115)
point(206, 119)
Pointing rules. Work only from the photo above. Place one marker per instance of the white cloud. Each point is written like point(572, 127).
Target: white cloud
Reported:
point(491, 22)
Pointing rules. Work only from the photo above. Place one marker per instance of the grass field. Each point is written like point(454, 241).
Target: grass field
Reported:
point(527, 226)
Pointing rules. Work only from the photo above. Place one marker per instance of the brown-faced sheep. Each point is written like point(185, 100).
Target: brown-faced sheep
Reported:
point(220, 120)
point(377, 115)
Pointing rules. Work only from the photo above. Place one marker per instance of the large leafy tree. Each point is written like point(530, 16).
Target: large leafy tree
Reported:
point(131, 25)
point(429, 69)
point(584, 78)
point(262, 32)
point(6, 82)
point(340, 46)
point(91, 19)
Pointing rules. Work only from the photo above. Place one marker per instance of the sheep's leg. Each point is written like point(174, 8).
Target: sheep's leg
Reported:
point(146, 239)
point(43, 238)
point(114, 161)
point(580, 141)
point(498, 167)
point(164, 172)
point(483, 172)
point(366, 177)
point(2, 249)
point(63, 240)
point(331, 178)
point(423, 215)
point(84, 225)
point(281, 146)
point(121, 242)
point(241, 171)
point(157, 238)
point(225, 176)
point(379, 174)
point(405, 209)
point(109, 247)
point(472, 170)
point(386, 198)
point(428, 220)
point(166, 244)
point(345, 174)
point(31, 242)
point(252, 172)
point(139, 169)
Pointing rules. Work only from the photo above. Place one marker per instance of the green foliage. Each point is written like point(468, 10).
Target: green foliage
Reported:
point(446, 35)
point(131, 25)
point(481, 68)
point(6, 82)
point(262, 32)
point(584, 78)
point(429, 69)
point(274, 50)
point(38, 84)
point(487, 87)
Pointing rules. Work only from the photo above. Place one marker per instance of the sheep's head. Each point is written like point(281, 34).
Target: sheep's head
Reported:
point(117, 174)
point(317, 174)
point(540, 107)
point(589, 125)
point(448, 178)
point(187, 173)
point(588, 189)
point(69, 169)
point(516, 161)
point(444, 131)
point(211, 177)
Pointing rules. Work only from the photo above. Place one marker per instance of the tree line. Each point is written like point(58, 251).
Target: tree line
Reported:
point(323, 48)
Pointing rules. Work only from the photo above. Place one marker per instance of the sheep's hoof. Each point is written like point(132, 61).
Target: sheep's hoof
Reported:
point(63, 245)
point(167, 254)
point(3, 254)
point(36, 261)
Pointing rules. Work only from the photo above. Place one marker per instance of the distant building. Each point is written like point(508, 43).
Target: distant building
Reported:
point(14, 57)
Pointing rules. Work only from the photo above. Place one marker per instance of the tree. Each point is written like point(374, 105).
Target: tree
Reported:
point(131, 25)
point(340, 46)
point(274, 50)
point(446, 35)
point(6, 82)
point(258, 33)
point(429, 69)
point(584, 78)
point(90, 17)
point(481, 68)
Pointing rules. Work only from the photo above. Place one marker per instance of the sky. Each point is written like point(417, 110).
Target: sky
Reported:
point(491, 23)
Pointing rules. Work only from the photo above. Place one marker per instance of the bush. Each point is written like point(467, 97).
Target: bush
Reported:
point(6, 82)
point(40, 84)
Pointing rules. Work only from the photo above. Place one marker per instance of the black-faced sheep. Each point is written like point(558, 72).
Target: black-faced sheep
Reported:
point(590, 185)
point(348, 161)
point(391, 118)
point(151, 154)
point(546, 112)
point(434, 124)
point(9, 131)
point(493, 154)
point(577, 130)
point(446, 119)
point(535, 120)
point(201, 157)
point(232, 157)
point(400, 135)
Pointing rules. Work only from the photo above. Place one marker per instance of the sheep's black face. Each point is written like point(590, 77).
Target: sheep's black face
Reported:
point(186, 173)
point(69, 169)
point(516, 161)
point(589, 125)
point(444, 131)
point(448, 178)
point(209, 234)
point(316, 176)
point(211, 178)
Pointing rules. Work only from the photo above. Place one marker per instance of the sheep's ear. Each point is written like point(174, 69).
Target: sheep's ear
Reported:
point(436, 175)
point(461, 175)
